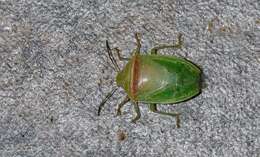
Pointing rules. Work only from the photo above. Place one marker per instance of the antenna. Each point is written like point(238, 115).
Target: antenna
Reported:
point(105, 100)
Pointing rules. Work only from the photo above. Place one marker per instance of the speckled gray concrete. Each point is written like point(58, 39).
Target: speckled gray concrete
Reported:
point(54, 72)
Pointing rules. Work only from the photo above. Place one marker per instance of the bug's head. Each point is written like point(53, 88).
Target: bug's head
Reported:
point(123, 77)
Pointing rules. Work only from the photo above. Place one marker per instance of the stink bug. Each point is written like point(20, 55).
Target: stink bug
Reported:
point(155, 79)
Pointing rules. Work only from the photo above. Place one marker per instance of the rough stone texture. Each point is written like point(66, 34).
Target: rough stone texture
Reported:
point(54, 72)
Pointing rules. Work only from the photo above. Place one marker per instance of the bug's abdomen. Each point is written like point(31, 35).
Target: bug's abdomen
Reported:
point(165, 79)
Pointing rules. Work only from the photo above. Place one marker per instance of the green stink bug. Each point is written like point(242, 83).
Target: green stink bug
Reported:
point(155, 79)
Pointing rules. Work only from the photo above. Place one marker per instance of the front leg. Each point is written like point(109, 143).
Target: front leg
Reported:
point(177, 45)
point(137, 111)
point(118, 111)
point(117, 50)
point(138, 44)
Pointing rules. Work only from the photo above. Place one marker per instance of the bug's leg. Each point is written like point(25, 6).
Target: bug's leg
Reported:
point(118, 111)
point(153, 108)
point(137, 111)
point(177, 45)
point(117, 50)
point(138, 43)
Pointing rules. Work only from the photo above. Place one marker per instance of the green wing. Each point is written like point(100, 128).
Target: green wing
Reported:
point(182, 82)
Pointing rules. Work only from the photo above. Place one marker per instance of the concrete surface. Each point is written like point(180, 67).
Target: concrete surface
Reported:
point(54, 72)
